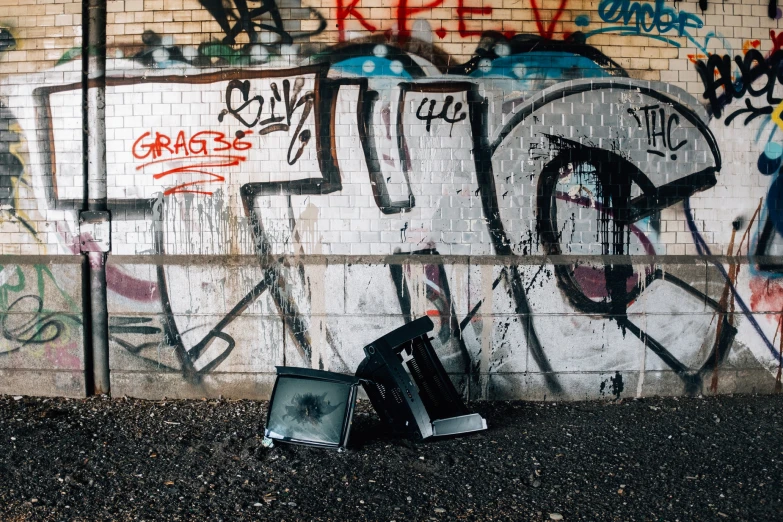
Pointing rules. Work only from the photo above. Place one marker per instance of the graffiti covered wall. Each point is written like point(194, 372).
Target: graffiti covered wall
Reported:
point(41, 312)
point(583, 196)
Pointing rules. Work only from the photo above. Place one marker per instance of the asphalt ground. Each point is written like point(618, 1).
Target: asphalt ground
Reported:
point(716, 458)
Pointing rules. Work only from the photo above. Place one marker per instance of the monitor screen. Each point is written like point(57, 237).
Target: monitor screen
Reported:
point(308, 410)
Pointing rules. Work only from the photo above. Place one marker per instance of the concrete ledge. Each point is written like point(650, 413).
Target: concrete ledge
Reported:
point(74, 259)
point(253, 260)
point(157, 385)
point(51, 383)
point(531, 386)
point(588, 385)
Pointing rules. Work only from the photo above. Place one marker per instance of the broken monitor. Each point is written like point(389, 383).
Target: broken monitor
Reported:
point(312, 407)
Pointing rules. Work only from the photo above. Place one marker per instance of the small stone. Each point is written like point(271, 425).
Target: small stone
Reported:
point(440, 510)
point(421, 458)
point(17, 397)
point(33, 500)
point(257, 504)
point(292, 504)
point(555, 516)
point(536, 483)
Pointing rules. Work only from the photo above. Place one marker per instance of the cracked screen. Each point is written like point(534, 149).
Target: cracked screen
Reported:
point(308, 410)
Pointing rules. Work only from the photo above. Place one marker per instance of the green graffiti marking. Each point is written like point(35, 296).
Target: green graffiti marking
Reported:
point(24, 318)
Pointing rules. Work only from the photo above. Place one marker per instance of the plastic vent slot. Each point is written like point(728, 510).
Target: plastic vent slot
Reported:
point(420, 376)
point(443, 390)
point(428, 390)
point(415, 369)
point(435, 389)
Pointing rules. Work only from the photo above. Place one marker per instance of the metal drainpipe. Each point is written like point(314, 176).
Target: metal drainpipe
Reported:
point(94, 57)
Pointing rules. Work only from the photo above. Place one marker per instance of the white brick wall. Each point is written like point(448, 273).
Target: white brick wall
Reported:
point(493, 153)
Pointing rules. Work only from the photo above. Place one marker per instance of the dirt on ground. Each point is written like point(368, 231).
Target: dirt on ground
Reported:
point(651, 459)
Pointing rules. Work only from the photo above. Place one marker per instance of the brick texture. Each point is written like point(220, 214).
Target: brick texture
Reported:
point(570, 188)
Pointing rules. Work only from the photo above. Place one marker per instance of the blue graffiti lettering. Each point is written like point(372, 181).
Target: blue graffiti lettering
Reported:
point(648, 17)
point(651, 20)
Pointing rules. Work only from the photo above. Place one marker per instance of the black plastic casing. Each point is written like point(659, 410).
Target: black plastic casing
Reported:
point(409, 408)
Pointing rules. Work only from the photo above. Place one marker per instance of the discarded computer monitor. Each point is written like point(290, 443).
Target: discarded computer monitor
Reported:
point(312, 407)
point(431, 407)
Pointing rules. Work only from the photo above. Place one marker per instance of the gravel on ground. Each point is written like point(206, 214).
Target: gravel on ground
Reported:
point(656, 459)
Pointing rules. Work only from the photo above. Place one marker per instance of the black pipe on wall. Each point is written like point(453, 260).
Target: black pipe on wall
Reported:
point(94, 148)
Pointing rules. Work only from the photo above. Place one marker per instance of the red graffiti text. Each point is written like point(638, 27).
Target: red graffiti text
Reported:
point(407, 10)
point(195, 154)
